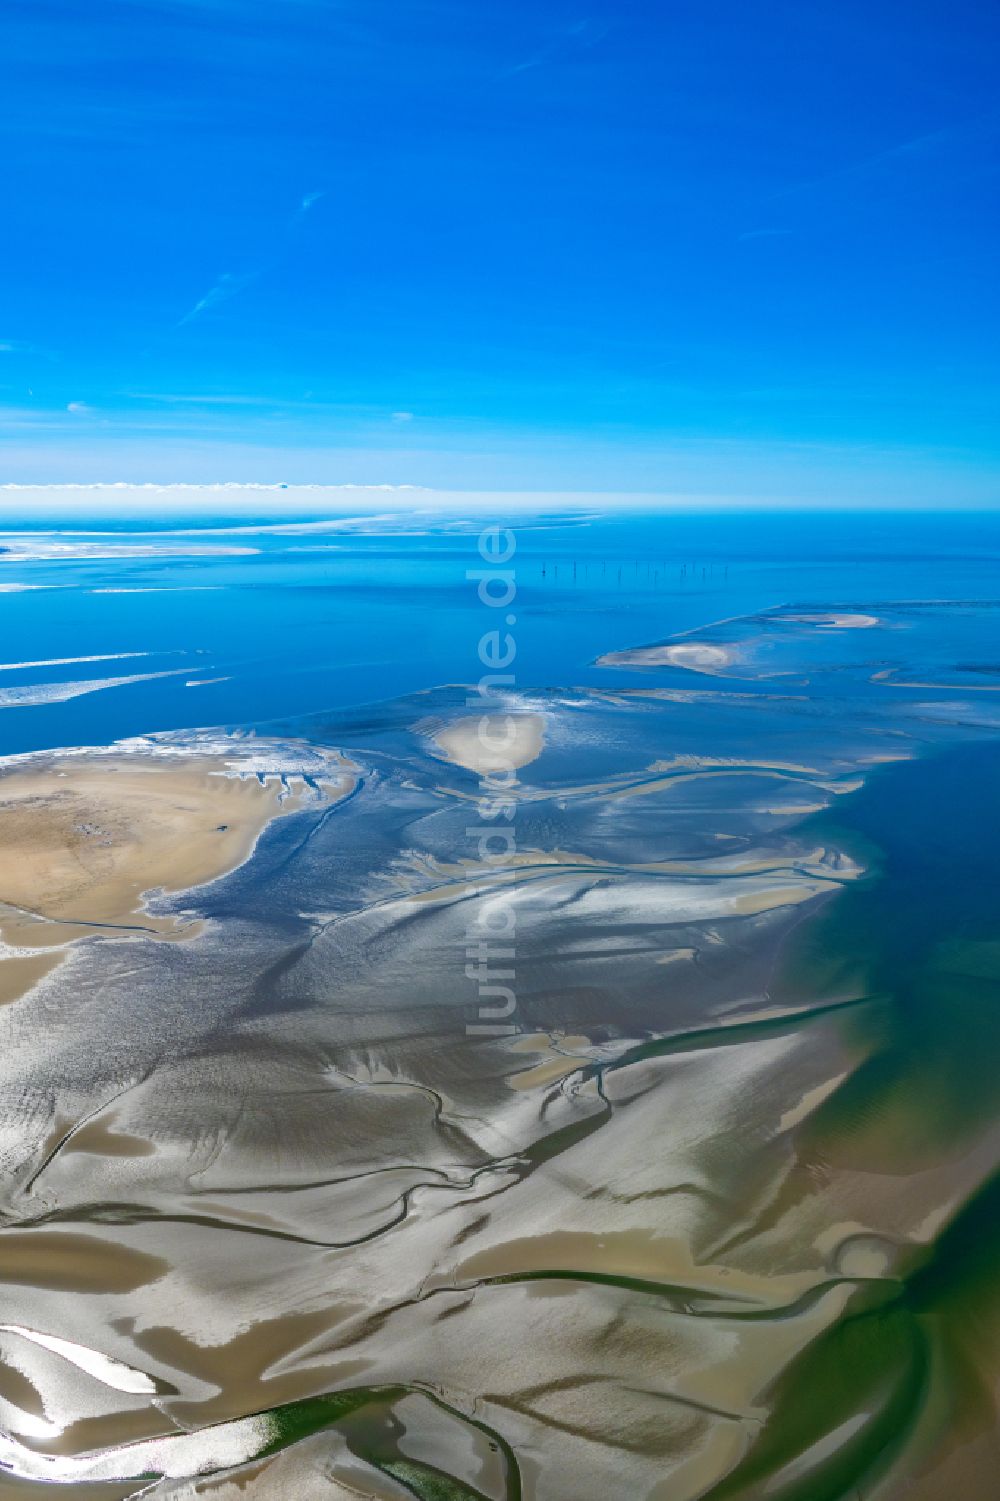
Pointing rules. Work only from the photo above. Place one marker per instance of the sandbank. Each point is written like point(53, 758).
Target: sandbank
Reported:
point(492, 743)
point(698, 656)
point(836, 620)
point(83, 840)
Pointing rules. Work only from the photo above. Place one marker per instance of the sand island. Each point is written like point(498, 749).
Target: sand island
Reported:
point(490, 744)
point(85, 838)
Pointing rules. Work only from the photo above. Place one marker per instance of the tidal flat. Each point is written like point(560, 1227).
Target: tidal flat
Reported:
point(713, 1214)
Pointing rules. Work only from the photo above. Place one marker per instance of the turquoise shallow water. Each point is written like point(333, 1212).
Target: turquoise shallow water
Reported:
point(316, 620)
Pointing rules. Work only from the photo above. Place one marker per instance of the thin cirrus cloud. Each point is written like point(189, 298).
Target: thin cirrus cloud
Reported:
point(561, 45)
point(226, 286)
point(221, 403)
point(919, 151)
point(231, 283)
point(191, 398)
point(24, 346)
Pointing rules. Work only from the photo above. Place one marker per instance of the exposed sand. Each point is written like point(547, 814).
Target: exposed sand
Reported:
point(640, 1253)
point(492, 743)
point(82, 841)
point(836, 621)
point(20, 971)
point(59, 693)
point(690, 1232)
point(699, 656)
point(557, 1056)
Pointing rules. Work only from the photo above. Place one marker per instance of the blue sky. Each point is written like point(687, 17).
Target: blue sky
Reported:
point(698, 247)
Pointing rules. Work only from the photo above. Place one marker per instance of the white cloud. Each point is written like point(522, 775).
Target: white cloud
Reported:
point(212, 488)
point(121, 497)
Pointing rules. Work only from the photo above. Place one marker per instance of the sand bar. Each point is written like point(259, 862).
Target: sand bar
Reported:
point(836, 620)
point(489, 744)
point(84, 839)
point(698, 656)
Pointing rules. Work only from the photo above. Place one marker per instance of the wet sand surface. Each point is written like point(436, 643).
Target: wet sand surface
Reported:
point(711, 1211)
point(86, 838)
point(489, 743)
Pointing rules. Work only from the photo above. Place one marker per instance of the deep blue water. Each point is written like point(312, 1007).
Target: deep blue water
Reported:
point(319, 621)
